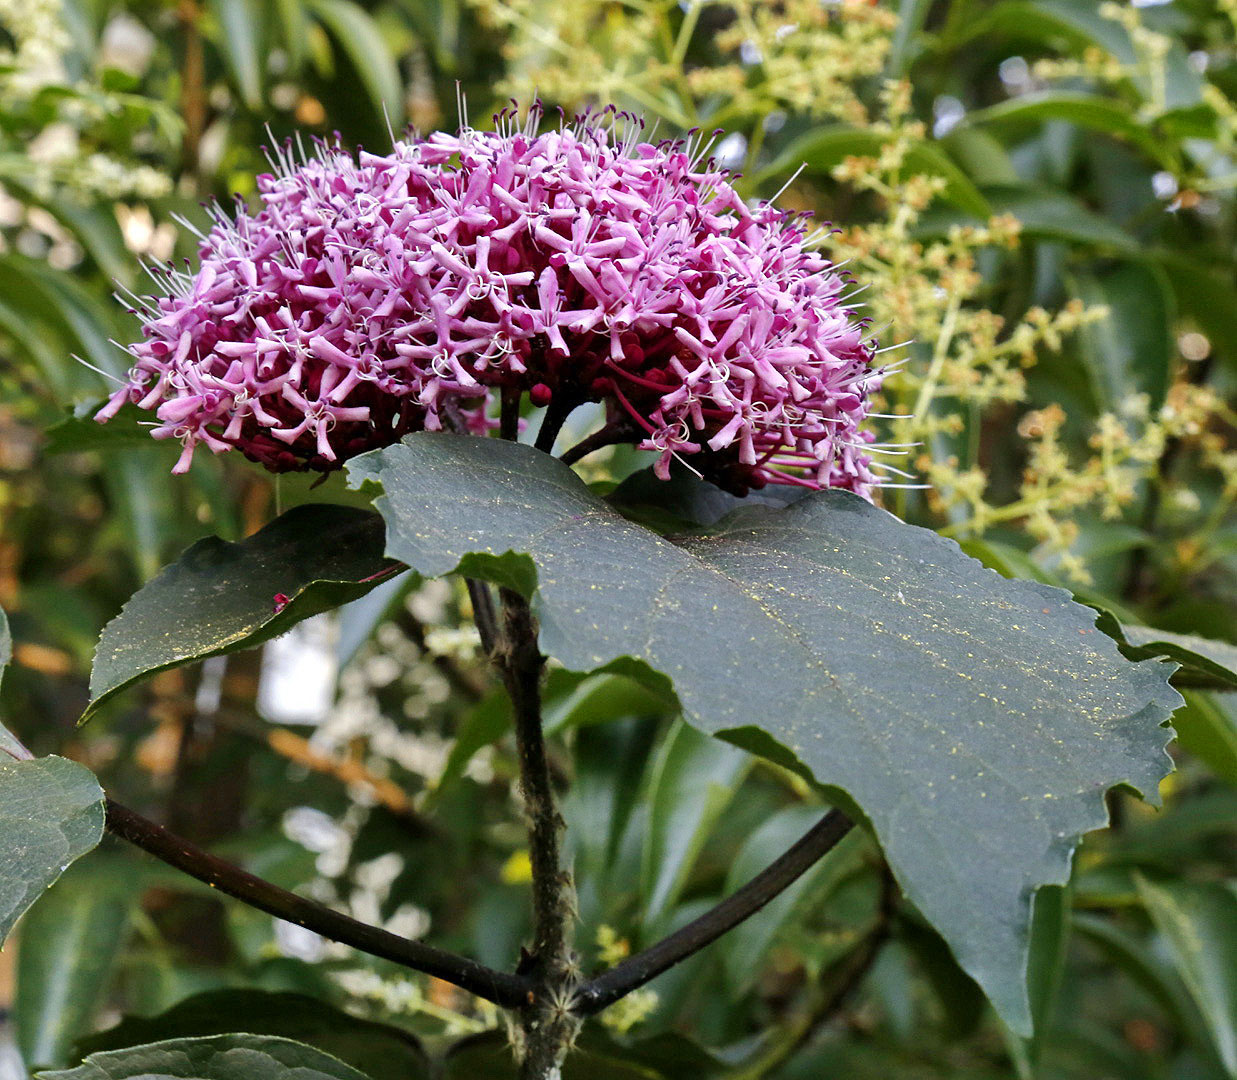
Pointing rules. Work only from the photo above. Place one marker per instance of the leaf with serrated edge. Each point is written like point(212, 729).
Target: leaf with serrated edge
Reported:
point(976, 720)
point(51, 812)
point(218, 1057)
point(220, 597)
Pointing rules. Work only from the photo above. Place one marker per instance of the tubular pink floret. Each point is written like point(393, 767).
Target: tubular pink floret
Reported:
point(375, 295)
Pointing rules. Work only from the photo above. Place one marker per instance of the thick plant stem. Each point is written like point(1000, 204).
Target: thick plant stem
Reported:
point(547, 1023)
point(496, 986)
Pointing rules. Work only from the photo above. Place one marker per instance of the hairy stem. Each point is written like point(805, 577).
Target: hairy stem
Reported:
point(548, 1027)
point(502, 988)
point(637, 970)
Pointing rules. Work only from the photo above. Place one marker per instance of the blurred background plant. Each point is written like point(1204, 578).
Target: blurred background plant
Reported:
point(1036, 201)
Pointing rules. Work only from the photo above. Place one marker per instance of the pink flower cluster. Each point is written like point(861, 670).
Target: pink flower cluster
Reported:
point(377, 295)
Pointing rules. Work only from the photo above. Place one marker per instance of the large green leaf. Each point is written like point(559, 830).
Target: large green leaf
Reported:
point(693, 781)
point(1199, 923)
point(380, 1051)
point(220, 597)
point(977, 721)
point(69, 945)
point(219, 1057)
point(51, 812)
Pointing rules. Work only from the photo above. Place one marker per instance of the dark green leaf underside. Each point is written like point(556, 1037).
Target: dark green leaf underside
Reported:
point(220, 1057)
point(220, 597)
point(977, 721)
point(51, 812)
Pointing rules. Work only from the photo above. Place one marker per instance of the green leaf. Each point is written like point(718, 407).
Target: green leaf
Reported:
point(1031, 20)
point(1139, 961)
point(870, 655)
point(51, 812)
point(362, 41)
point(380, 1051)
point(599, 699)
point(981, 155)
point(69, 945)
point(220, 1057)
point(960, 1000)
point(1050, 923)
point(1090, 111)
point(693, 780)
point(911, 17)
point(79, 432)
point(747, 945)
point(1133, 349)
point(239, 26)
point(824, 148)
point(1199, 923)
point(1205, 663)
point(219, 597)
point(1050, 215)
point(610, 763)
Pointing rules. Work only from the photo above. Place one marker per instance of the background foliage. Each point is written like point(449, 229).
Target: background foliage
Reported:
point(1038, 199)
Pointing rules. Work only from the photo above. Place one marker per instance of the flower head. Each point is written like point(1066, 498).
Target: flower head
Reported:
point(371, 296)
